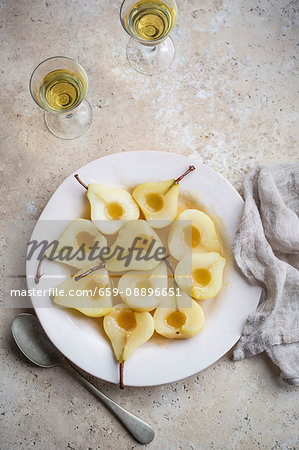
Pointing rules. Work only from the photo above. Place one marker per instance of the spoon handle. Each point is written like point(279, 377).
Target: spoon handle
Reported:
point(141, 431)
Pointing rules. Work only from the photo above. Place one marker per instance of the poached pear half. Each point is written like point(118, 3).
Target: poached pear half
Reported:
point(79, 234)
point(137, 247)
point(159, 201)
point(200, 275)
point(111, 207)
point(192, 232)
point(127, 330)
point(179, 317)
point(142, 290)
point(89, 295)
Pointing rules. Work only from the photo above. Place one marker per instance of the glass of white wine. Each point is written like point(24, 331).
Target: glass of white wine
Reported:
point(59, 86)
point(149, 22)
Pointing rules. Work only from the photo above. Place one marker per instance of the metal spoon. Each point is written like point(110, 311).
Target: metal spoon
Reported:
point(36, 346)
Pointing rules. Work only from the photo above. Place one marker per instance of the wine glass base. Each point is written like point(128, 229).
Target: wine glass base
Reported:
point(70, 126)
point(150, 60)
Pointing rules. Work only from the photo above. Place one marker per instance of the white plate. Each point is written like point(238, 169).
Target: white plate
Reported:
point(81, 339)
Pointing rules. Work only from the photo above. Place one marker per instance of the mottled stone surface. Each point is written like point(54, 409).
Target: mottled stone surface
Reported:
point(229, 101)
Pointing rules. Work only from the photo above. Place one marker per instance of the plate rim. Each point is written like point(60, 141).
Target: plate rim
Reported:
point(38, 310)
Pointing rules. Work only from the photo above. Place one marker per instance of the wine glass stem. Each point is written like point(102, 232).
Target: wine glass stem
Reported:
point(151, 49)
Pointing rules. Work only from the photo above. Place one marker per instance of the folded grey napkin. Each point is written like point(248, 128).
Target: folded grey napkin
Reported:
point(266, 249)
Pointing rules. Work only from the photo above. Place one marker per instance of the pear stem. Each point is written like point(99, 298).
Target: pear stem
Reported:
point(174, 282)
point(93, 269)
point(80, 181)
point(169, 265)
point(191, 168)
point(121, 375)
point(38, 274)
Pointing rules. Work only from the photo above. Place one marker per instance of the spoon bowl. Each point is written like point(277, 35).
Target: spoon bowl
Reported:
point(33, 342)
point(37, 347)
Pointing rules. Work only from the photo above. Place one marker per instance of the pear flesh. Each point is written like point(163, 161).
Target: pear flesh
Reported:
point(200, 276)
point(138, 251)
point(148, 249)
point(192, 232)
point(179, 317)
point(158, 202)
point(127, 330)
point(142, 290)
point(93, 300)
point(111, 207)
point(77, 239)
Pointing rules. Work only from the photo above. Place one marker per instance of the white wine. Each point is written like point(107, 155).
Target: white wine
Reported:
point(150, 20)
point(62, 90)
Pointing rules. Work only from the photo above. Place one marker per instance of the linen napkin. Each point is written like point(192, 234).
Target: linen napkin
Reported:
point(266, 249)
